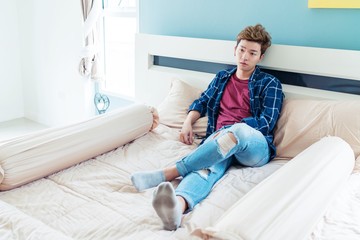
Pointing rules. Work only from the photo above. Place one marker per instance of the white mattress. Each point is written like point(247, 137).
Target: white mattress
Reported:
point(96, 200)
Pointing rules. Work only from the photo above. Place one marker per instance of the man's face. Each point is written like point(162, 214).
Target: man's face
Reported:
point(248, 54)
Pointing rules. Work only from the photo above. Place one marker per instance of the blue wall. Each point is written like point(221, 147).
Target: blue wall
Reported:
point(289, 22)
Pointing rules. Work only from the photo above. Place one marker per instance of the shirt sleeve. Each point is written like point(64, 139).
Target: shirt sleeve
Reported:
point(202, 102)
point(272, 99)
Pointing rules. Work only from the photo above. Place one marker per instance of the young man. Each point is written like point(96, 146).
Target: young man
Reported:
point(243, 105)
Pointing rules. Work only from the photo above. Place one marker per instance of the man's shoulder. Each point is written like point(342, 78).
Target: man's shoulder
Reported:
point(223, 75)
point(226, 72)
point(264, 76)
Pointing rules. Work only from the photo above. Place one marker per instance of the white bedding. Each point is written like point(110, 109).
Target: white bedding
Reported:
point(342, 220)
point(95, 199)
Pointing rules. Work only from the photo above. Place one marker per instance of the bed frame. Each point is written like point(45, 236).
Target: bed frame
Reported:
point(152, 80)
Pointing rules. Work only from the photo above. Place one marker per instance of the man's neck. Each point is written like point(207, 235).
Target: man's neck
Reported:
point(244, 75)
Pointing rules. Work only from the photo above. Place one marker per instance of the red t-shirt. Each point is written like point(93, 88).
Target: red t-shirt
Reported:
point(235, 102)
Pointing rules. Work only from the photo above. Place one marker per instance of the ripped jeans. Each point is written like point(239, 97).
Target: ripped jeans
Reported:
point(202, 168)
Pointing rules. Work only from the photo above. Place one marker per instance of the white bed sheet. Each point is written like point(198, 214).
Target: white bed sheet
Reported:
point(342, 219)
point(96, 200)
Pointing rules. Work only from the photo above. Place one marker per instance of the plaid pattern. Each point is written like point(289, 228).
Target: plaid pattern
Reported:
point(266, 98)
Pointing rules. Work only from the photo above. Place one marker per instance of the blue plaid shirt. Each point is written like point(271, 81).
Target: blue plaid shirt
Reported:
point(266, 98)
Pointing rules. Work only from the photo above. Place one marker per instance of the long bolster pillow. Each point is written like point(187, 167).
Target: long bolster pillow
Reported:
point(33, 156)
point(289, 203)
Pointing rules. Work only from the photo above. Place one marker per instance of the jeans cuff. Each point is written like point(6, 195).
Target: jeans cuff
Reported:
point(189, 201)
point(180, 166)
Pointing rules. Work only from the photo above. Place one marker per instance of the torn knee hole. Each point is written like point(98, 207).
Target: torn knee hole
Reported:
point(216, 135)
point(204, 173)
point(226, 143)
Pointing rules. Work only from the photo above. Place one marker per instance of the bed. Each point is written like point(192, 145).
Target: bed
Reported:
point(74, 182)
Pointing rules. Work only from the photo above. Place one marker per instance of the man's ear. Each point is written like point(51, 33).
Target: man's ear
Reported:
point(235, 50)
point(262, 57)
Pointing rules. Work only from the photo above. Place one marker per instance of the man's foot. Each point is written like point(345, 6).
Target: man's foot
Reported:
point(167, 206)
point(145, 180)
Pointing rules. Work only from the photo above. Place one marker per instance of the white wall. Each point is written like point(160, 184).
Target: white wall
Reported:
point(51, 39)
point(49, 36)
point(11, 91)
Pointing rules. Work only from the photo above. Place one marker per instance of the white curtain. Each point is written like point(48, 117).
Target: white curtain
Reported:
point(90, 64)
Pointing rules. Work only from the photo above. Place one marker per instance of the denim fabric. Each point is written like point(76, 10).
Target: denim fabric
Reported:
point(266, 99)
point(202, 168)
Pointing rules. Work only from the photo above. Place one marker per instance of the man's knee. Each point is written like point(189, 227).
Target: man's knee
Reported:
point(226, 142)
point(204, 173)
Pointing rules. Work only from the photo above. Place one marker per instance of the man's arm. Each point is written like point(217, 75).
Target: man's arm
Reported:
point(186, 133)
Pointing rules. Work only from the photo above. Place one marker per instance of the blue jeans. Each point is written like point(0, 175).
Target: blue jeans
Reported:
point(202, 168)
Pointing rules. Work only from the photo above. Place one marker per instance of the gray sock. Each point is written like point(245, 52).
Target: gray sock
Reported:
point(145, 180)
point(167, 206)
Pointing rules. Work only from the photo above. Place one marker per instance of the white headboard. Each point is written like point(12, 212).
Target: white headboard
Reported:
point(152, 82)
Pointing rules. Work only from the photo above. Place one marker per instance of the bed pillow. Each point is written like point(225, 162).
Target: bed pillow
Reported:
point(304, 121)
point(174, 108)
point(36, 155)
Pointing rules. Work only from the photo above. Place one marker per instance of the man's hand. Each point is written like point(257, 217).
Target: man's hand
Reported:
point(186, 134)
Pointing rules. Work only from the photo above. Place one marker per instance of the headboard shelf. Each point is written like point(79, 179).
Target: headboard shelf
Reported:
point(315, 61)
point(291, 78)
point(152, 77)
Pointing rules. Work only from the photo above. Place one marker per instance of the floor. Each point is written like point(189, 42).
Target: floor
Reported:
point(18, 127)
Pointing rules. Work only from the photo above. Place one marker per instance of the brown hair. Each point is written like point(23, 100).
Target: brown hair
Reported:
point(257, 34)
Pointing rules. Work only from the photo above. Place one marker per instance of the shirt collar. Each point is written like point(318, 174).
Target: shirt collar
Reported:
point(252, 77)
point(254, 74)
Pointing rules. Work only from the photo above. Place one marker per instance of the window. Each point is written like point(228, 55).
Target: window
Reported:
point(119, 28)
